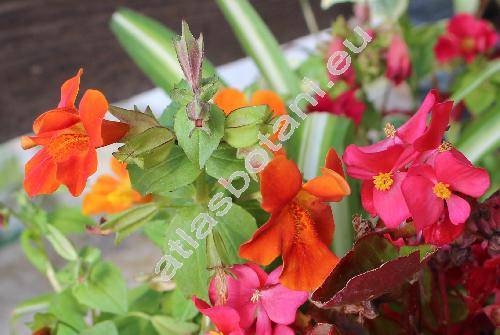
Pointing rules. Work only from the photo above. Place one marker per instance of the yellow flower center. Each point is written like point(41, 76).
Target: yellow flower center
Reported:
point(442, 190)
point(467, 44)
point(445, 146)
point(389, 130)
point(255, 296)
point(383, 181)
point(212, 332)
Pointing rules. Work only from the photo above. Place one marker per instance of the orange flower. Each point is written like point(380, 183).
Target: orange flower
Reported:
point(301, 225)
point(230, 99)
point(112, 195)
point(69, 138)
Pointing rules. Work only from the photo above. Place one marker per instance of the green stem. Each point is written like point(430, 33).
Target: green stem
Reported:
point(51, 276)
point(308, 13)
point(202, 194)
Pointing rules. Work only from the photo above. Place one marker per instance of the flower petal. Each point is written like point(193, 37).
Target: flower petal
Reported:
point(230, 99)
point(415, 126)
point(462, 176)
point(333, 162)
point(458, 208)
point(271, 99)
point(92, 108)
point(330, 186)
point(391, 205)
point(280, 182)
point(432, 137)
point(112, 132)
point(367, 197)
point(119, 168)
point(425, 207)
point(69, 91)
point(307, 261)
point(321, 215)
point(224, 318)
point(443, 232)
point(281, 303)
point(283, 330)
point(40, 174)
point(54, 120)
point(263, 325)
point(265, 244)
point(364, 165)
point(75, 171)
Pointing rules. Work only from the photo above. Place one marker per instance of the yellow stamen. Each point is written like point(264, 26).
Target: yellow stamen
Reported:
point(468, 44)
point(212, 332)
point(383, 181)
point(63, 145)
point(442, 190)
point(255, 296)
point(445, 146)
point(389, 130)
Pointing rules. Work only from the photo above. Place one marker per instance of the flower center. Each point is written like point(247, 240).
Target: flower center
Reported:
point(467, 44)
point(62, 146)
point(442, 190)
point(445, 146)
point(383, 181)
point(255, 296)
point(389, 130)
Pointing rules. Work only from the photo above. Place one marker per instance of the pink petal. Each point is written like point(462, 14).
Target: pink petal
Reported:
point(443, 232)
point(458, 208)
point(281, 303)
point(274, 276)
point(424, 206)
point(363, 165)
point(390, 205)
point(423, 170)
point(283, 330)
point(225, 318)
point(263, 325)
point(367, 197)
point(416, 125)
point(433, 136)
point(461, 175)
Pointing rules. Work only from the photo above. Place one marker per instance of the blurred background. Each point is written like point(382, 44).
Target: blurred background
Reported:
point(44, 42)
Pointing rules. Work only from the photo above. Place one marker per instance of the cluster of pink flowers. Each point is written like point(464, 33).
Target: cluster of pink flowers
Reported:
point(413, 173)
point(251, 302)
point(465, 37)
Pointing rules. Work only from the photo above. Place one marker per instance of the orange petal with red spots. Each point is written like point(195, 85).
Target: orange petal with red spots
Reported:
point(271, 99)
point(265, 244)
point(307, 261)
point(92, 108)
point(333, 162)
point(74, 171)
point(40, 174)
point(230, 99)
point(113, 132)
point(279, 183)
point(320, 213)
point(330, 186)
point(69, 91)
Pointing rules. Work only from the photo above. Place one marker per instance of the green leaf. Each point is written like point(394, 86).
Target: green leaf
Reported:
point(60, 243)
point(259, 43)
point(147, 148)
point(33, 249)
point(174, 172)
point(130, 220)
point(104, 289)
point(66, 309)
point(137, 121)
point(178, 306)
point(102, 328)
point(150, 45)
point(224, 162)
point(69, 220)
point(491, 69)
point(235, 228)
point(165, 325)
point(197, 143)
point(242, 126)
point(32, 305)
point(481, 136)
point(63, 329)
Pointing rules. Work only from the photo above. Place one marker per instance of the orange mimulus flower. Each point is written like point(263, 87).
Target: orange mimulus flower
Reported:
point(301, 225)
point(112, 195)
point(69, 138)
point(230, 99)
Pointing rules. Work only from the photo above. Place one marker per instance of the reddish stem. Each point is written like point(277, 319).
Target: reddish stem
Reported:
point(444, 300)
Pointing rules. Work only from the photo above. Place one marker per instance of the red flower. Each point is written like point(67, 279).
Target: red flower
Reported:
point(69, 138)
point(398, 61)
point(349, 76)
point(465, 37)
point(345, 104)
point(428, 189)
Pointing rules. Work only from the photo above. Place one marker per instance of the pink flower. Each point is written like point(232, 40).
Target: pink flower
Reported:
point(465, 37)
point(382, 174)
point(431, 192)
point(346, 104)
point(349, 76)
point(443, 231)
point(261, 303)
point(226, 319)
point(398, 61)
